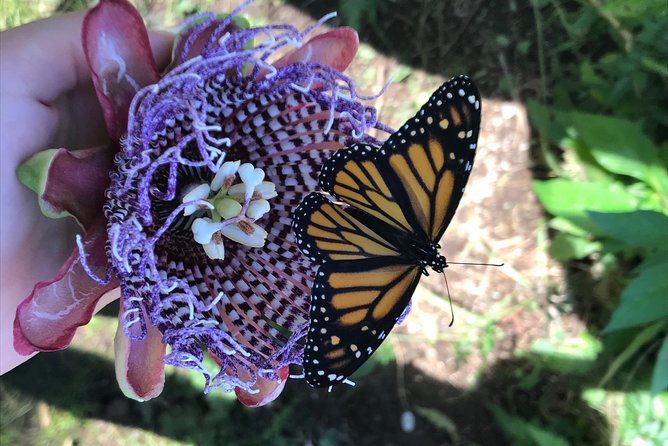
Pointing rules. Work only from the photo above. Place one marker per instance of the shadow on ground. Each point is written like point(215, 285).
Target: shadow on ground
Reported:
point(370, 413)
point(494, 41)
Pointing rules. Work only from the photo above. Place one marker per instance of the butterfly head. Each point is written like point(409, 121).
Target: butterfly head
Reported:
point(433, 259)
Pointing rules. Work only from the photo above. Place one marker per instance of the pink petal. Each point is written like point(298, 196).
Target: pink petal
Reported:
point(119, 55)
point(48, 318)
point(268, 390)
point(335, 48)
point(76, 182)
point(140, 370)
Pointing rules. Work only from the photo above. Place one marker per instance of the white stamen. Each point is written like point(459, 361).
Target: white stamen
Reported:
point(200, 192)
point(266, 190)
point(257, 209)
point(250, 176)
point(215, 249)
point(228, 168)
point(203, 230)
point(255, 236)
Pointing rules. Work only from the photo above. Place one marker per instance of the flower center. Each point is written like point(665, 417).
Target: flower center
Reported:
point(235, 198)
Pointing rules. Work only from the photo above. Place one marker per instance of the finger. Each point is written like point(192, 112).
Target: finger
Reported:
point(43, 70)
point(47, 59)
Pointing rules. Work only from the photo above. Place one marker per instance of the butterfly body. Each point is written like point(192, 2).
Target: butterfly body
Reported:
point(378, 230)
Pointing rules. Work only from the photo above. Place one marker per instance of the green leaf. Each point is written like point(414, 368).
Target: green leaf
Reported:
point(643, 300)
point(643, 229)
point(542, 118)
point(566, 247)
point(622, 148)
point(359, 14)
point(545, 438)
point(563, 225)
point(655, 66)
point(582, 349)
point(512, 426)
point(572, 199)
point(440, 421)
point(624, 9)
point(654, 259)
point(660, 376)
point(642, 338)
point(523, 432)
point(401, 73)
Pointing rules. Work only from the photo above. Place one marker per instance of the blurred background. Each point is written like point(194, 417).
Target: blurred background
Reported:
point(565, 344)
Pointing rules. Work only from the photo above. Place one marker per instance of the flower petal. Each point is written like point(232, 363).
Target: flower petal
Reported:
point(267, 390)
point(69, 183)
point(47, 319)
point(119, 55)
point(335, 48)
point(140, 370)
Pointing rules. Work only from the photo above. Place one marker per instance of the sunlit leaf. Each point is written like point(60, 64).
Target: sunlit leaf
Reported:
point(572, 199)
point(567, 247)
point(622, 147)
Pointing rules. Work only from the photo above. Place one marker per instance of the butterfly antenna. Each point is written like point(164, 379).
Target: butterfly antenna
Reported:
point(452, 311)
point(475, 264)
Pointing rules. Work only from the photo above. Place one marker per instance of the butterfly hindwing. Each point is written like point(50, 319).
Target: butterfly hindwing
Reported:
point(432, 154)
point(355, 305)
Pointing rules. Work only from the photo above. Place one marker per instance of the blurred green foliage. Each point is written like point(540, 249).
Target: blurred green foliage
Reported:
point(607, 117)
point(614, 61)
point(17, 12)
point(519, 431)
point(356, 12)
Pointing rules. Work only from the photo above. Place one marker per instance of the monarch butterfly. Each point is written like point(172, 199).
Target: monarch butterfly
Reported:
point(398, 200)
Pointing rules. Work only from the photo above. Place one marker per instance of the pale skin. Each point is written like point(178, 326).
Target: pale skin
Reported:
point(47, 101)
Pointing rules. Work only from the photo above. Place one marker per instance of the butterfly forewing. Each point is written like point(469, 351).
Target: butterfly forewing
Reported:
point(432, 154)
point(354, 176)
point(326, 231)
point(355, 305)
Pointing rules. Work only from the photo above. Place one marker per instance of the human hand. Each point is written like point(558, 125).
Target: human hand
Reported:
point(48, 101)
